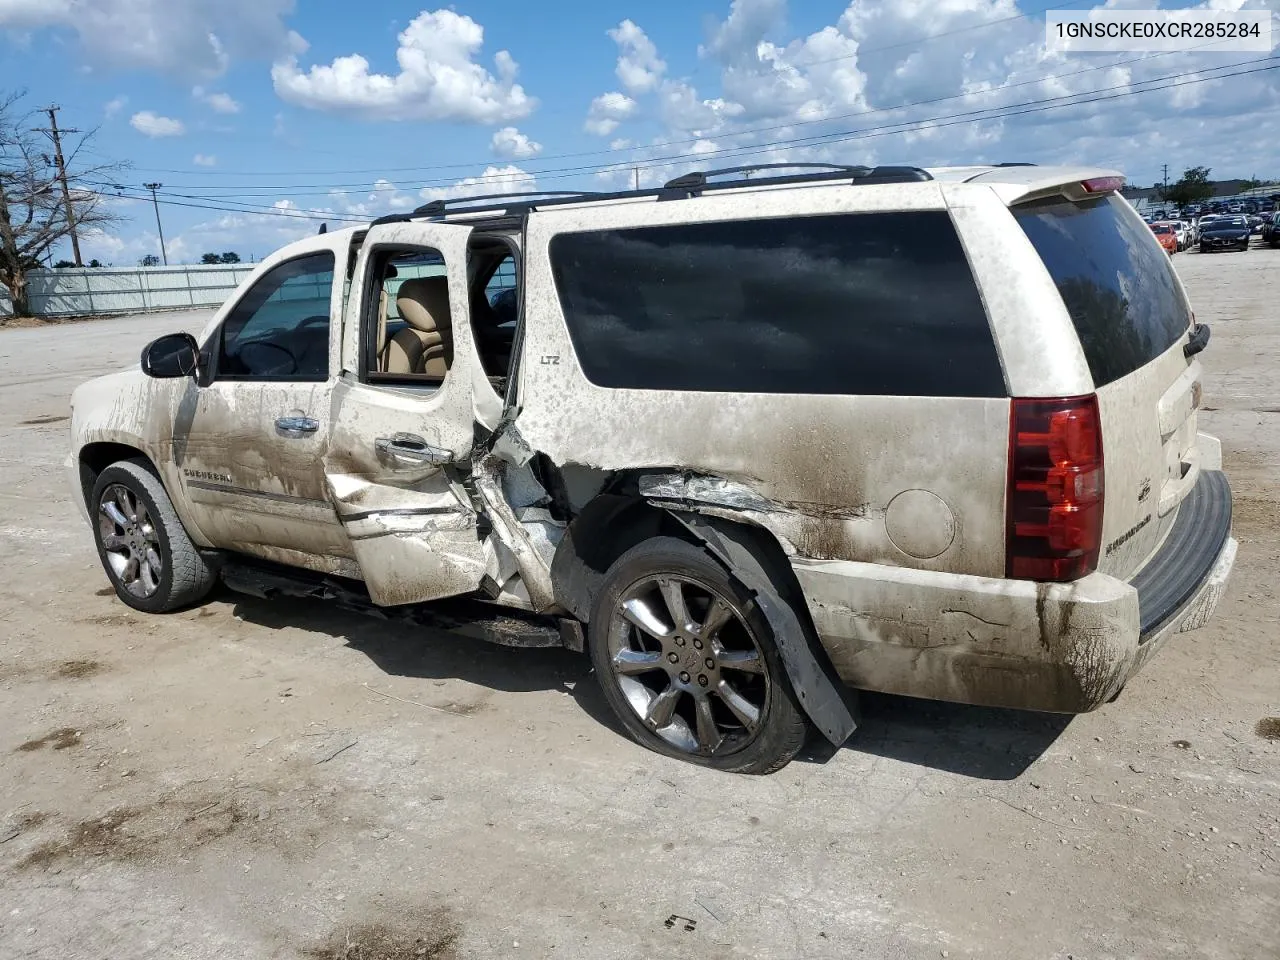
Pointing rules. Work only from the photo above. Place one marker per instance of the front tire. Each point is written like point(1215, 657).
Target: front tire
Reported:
point(144, 549)
point(688, 662)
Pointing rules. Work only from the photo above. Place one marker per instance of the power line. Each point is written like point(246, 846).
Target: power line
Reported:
point(995, 113)
point(468, 165)
point(298, 190)
point(1040, 106)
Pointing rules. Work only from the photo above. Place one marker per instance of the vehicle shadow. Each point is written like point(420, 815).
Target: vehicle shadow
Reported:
point(418, 652)
point(979, 742)
point(985, 743)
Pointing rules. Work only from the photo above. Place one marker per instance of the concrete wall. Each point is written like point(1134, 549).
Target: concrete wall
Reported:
point(107, 290)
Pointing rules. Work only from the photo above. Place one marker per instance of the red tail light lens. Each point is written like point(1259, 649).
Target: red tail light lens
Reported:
point(1103, 184)
point(1055, 494)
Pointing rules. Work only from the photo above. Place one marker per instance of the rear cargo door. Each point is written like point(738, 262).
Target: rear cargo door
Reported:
point(1133, 321)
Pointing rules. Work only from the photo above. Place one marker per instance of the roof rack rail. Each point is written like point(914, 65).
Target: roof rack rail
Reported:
point(525, 199)
point(699, 178)
point(1015, 163)
point(437, 208)
point(691, 184)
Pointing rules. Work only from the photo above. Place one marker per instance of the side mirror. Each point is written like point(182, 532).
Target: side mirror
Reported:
point(173, 355)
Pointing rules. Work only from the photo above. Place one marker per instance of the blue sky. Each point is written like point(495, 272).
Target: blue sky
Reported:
point(279, 111)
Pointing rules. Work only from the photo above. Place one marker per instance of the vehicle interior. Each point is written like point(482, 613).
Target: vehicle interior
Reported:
point(411, 340)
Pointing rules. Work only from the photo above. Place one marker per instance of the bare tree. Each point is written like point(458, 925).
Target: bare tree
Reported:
point(33, 213)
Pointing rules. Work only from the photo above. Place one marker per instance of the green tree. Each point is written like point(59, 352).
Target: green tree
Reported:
point(63, 264)
point(209, 258)
point(229, 257)
point(150, 260)
point(1191, 188)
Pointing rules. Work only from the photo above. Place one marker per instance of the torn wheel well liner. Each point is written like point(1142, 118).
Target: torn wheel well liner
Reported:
point(609, 526)
point(755, 559)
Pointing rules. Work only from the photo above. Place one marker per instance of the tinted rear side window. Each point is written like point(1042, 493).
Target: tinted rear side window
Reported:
point(1115, 279)
point(852, 304)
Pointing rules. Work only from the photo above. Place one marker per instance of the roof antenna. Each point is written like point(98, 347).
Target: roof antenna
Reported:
point(324, 228)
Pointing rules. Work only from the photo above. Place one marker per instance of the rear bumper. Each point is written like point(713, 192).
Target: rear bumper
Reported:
point(1057, 647)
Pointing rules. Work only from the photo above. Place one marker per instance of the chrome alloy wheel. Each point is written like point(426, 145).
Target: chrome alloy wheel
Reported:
point(130, 540)
point(689, 664)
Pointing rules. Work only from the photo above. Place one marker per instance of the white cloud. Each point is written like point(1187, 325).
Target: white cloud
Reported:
point(217, 102)
point(510, 144)
point(114, 106)
point(153, 125)
point(204, 160)
point(181, 37)
point(506, 179)
point(804, 79)
point(684, 112)
point(607, 111)
point(438, 78)
point(639, 66)
point(385, 197)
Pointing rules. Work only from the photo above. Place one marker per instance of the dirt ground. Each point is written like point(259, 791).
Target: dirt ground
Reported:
point(283, 780)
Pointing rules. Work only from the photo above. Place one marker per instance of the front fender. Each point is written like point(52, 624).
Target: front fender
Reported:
point(130, 411)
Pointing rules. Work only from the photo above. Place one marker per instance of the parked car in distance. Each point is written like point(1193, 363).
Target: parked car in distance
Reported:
point(1182, 233)
point(1167, 236)
point(1225, 233)
point(744, 492)
point(1271, 232)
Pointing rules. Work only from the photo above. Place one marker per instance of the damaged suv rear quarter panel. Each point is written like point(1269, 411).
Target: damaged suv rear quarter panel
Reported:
point(807, 455)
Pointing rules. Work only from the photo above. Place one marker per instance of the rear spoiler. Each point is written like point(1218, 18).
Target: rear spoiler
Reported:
point(1091, 183)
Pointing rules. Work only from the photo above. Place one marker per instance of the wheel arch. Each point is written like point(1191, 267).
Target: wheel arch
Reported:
point(611, 524)
point(95, 457)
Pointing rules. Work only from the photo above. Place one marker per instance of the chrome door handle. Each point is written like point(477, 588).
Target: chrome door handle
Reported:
point(296, 426)
point(410, 450)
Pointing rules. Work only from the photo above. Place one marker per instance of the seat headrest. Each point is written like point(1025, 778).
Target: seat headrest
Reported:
point(424, 303)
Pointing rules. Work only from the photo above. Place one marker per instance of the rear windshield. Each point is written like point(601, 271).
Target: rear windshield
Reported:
point(1115, 280)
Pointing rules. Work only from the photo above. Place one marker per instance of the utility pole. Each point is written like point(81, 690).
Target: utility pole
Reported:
point(54, 134)
point(153, 187)
point(636, 171)
point(1166, 182)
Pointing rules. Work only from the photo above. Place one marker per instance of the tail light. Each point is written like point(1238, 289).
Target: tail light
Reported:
point(1102, 184)
point(1054, 508)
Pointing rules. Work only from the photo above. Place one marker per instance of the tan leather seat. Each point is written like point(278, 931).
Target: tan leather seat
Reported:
point(426, 345)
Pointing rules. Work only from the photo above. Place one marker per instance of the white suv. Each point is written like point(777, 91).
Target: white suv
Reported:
point(753, 444)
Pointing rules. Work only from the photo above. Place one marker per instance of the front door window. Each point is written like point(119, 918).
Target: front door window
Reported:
point(280, 330)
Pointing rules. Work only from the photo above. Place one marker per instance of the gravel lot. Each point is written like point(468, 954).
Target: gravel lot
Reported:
point(256, 779)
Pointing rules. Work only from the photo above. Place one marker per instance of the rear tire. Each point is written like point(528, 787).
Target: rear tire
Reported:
point(688, 662)
point(144, 549)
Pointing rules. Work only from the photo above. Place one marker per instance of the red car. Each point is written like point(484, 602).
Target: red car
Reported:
point(1167, 236)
